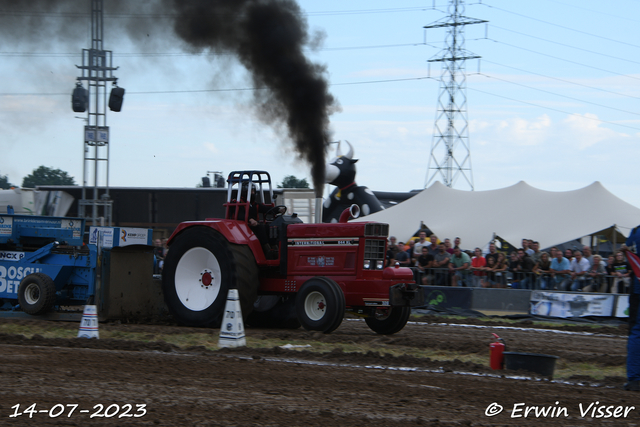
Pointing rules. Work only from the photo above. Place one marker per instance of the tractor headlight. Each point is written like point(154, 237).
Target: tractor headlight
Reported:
point(379, 264)
point(367, 264)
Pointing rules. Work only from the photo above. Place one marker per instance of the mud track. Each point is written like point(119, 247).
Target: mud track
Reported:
point(280, 387)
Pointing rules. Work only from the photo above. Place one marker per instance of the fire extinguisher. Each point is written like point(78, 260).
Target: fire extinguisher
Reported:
point(496, 359)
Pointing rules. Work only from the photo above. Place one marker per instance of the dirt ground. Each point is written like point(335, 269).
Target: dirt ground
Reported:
point(282, 387)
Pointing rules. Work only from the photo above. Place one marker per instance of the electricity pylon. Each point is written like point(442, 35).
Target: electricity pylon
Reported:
point(450, 153)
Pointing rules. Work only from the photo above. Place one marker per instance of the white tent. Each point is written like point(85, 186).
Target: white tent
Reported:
point(513, 213)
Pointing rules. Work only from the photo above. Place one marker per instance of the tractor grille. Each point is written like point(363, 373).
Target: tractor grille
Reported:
point(376, 229)
point(374, 250)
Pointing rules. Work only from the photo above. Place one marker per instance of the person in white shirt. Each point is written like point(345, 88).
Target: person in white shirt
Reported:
point(420, 243)
point(579, 269)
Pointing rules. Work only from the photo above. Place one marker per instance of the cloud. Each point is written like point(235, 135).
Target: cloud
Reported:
point(518, 131)
point(576, 131)
point(587, 130)
point(209, 146)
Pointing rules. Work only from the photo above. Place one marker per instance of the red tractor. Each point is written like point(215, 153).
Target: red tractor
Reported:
point(287, 273)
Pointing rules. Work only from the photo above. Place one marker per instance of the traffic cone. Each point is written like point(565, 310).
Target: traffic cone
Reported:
point(89, 323)
point(232, 328)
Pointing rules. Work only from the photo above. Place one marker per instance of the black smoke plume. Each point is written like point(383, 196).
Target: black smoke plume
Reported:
point(267, 36)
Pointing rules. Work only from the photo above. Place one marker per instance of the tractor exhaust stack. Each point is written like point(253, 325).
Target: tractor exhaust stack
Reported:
point(318, 216)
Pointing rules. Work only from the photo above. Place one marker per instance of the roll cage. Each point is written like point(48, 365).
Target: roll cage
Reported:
point(239, 188)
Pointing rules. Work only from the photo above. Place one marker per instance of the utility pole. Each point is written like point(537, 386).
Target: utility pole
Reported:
point(450, 154)
point(97, 71)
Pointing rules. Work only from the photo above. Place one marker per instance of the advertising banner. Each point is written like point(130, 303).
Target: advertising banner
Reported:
point(444, 297)
point(571, 304)
point(622, 306)
point(109, 237)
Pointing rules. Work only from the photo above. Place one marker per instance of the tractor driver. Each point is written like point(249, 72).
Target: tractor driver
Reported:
point(254, 208)
point(260, 230)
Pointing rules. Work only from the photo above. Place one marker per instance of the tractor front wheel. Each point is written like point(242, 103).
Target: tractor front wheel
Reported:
point(388, 320)
point(320, 305)
point(37, 293)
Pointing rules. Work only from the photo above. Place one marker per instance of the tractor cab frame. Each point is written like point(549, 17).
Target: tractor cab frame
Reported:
point(245, 188)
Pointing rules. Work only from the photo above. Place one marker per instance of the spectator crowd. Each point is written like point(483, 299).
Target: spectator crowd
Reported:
point(441, 263)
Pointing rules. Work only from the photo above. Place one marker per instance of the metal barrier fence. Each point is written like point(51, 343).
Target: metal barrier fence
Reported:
point(506, 279)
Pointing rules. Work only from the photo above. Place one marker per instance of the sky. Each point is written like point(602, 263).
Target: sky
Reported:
point(553, 101)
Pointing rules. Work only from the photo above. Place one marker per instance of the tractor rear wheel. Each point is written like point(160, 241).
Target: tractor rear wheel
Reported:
point(37, 293)
point(200, 268)
point(388, 320)
point(320, 305)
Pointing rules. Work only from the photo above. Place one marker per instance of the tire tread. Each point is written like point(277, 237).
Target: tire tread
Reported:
point(239, 271)
point(394, 323)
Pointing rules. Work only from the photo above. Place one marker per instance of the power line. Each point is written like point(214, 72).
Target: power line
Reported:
point(31, 13)
point(383, 81)
point(339, 84)
point(567, 45)
point(554, 109)
point(367, 11)
point(40, 54)
point(174, 54)
point(374, 46)
point(561, 26)
point(564, 80)
point(247, 89)
point(599, 12)
point(566, 60)
point(75, 15)
point(122, 55)
point(349, 84)
point(244, 89)
point(562, 96)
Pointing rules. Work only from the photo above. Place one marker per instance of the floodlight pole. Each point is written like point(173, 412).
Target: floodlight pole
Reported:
point(97, 71)
point(451, 128)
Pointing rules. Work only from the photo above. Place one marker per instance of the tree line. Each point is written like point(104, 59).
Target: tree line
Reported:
point(41, 176)
point(48, 176)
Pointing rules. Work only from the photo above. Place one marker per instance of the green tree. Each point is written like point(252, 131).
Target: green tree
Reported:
point(291, 181)
point(4, 182)
point(47, 176)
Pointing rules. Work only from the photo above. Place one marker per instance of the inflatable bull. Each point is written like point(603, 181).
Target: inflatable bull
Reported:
point(341, 172)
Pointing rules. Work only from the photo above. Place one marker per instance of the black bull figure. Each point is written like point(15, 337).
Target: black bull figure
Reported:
point(341, 172)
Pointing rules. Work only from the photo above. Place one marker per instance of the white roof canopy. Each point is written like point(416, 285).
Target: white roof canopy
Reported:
point(513, 213)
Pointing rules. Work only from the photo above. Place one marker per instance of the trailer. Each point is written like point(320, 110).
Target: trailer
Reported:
point(44, 263)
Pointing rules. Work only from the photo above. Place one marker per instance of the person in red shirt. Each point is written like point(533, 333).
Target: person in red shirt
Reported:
point(478, 267)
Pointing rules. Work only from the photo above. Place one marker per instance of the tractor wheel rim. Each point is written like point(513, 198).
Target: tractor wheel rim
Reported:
point(198, 279)
point(32, 293)
point(382, 313)
point(315, 306)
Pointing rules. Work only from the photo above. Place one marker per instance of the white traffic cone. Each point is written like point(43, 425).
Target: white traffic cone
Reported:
point(89, 323)
point(232, 328)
